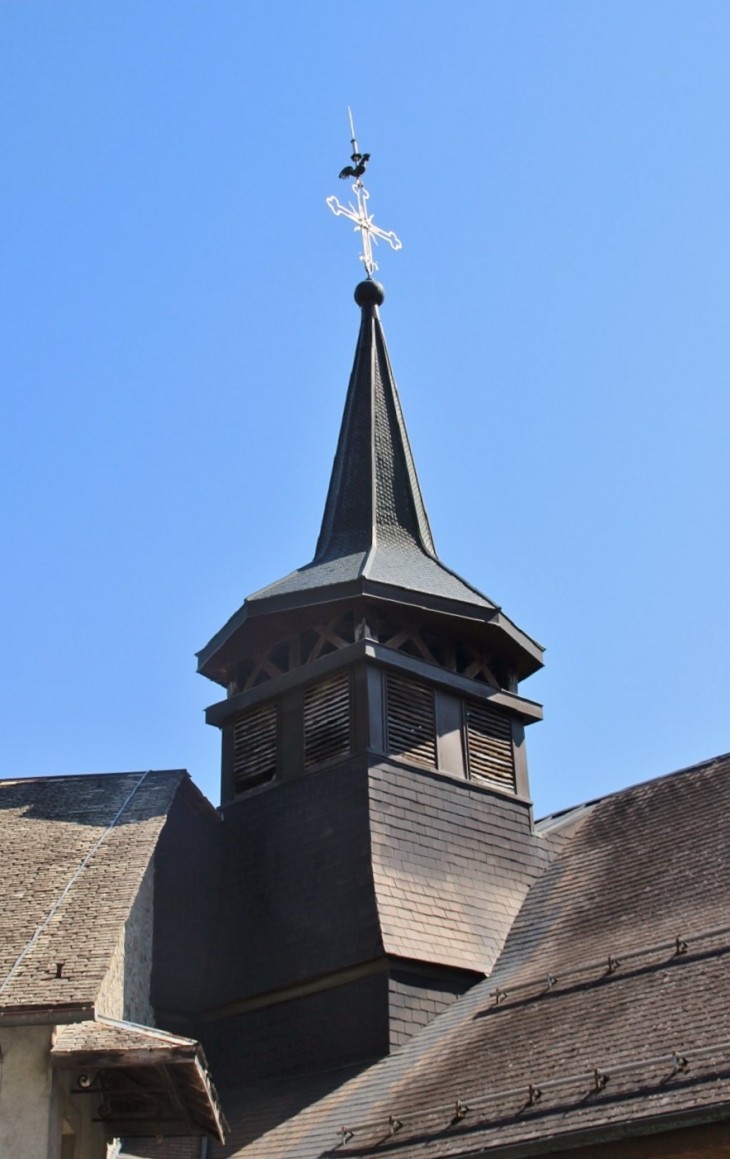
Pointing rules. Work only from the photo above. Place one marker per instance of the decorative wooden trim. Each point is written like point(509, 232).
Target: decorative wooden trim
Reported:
point(221, 712)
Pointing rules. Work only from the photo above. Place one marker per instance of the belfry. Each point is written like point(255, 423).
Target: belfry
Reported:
point(375, 646)
point(378, 832)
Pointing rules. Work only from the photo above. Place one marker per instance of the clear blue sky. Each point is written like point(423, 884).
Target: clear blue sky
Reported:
point(178, 327)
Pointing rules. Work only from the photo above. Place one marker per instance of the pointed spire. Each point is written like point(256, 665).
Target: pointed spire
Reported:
point(375, 538)
point(374, 494)
point(375, 527)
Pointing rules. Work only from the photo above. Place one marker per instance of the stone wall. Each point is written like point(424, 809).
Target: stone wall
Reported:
point(125, 991)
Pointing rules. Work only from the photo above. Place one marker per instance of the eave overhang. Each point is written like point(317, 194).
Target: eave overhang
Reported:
point(224, 647)
point(147, 1082)
point(634, 1128)
point(44, 1014)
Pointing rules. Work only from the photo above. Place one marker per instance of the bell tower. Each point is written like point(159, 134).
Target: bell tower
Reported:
point(375, 647)
point(377, 838)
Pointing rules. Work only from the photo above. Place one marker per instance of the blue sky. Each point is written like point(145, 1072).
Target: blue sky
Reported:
point(178, 327)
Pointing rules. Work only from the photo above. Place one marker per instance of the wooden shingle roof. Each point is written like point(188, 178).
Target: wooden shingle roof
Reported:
point(375, 524)
point(145, 1077)
point(74, 852)
point(608, 1010)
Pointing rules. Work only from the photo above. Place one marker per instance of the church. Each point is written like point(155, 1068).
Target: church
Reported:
point(370, 947)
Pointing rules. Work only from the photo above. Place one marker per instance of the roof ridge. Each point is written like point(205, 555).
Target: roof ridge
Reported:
point(84, 776)
point(543, 823)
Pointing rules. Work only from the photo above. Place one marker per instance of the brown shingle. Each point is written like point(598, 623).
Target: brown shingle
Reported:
point(74, 853)
point(641, 868)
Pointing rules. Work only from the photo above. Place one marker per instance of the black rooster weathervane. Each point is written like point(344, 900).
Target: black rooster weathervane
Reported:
point(363, 220)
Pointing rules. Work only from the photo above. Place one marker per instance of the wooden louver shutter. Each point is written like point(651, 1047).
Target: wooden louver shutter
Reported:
point(254, 747)
point(411, 721)
point(489, 744)
point(327, 720)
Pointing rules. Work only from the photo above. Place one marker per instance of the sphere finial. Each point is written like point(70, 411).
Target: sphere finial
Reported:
point(369, 293)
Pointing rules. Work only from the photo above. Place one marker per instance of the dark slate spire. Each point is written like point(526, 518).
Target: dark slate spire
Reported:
point(375, 527)
point(374, 493)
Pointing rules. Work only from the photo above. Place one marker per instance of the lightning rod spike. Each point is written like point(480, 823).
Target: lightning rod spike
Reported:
point(353, 140)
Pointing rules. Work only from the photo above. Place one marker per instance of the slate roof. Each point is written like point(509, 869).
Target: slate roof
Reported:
point(375, 524)
point(74, 851)
point(617, 963)
point(375, 537)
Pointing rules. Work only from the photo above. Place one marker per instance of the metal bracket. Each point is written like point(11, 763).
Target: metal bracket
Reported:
point(599, 1079)
point(461, 1110)
point(679, 1062)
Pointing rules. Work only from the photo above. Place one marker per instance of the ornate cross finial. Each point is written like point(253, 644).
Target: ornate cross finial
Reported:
point(363, 220)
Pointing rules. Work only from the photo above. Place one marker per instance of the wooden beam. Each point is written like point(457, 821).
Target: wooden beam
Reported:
point(102, 1060)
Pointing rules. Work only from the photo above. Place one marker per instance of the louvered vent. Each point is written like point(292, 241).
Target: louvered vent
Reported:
point(254, 747)
point(411, 721)
point(489, 742)
point(327, 720)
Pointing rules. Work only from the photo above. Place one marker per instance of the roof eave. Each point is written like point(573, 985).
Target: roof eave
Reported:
point(49, 1015)
point(532, 652)
point(216, 642)
point(595, 1136)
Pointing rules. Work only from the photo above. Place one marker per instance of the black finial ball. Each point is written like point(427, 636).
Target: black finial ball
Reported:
point(369, 293)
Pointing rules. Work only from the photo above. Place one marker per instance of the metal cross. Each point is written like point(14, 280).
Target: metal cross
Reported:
point(364, 223)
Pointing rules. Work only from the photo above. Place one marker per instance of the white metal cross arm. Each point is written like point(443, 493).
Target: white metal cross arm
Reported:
point(365, 225)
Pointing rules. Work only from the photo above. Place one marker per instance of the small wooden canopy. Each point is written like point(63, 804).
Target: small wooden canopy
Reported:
point(147, 1082)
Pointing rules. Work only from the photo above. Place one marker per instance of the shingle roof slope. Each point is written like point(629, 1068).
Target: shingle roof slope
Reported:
point(643, 868)
point(74, 851)
point(108, 1035)
point(375, 525)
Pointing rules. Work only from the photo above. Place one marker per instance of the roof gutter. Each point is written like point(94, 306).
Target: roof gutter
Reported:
point(46, 1015)
point(594, 1136)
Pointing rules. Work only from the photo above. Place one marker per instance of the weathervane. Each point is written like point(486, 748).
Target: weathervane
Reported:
point(363, 220)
